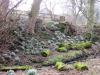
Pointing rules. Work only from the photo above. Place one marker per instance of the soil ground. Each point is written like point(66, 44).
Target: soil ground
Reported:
point(93, 64)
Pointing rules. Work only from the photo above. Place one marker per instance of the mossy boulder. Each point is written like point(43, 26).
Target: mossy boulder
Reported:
point(80, 66)
point(46, 52)
point(60, 66)
point(62, 49)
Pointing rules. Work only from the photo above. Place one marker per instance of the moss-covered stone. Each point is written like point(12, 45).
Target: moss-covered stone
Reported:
point(80, 66)
point(16, 68)
point(46, 53)
point(60, 66)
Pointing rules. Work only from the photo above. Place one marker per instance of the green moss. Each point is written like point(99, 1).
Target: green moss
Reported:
point(53, 60)
point(16, 68)
point(72, 55)
point(87, 44)
point(67, 45)
point(60, 66)
point(80, 66)
point(82, 45)
point(61, 45)
point(78, 46)
point(45, 52)
point(62, 49)
point(62, 58)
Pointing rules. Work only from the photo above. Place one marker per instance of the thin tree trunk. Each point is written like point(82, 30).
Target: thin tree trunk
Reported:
point(90, 21)
point(34, 13)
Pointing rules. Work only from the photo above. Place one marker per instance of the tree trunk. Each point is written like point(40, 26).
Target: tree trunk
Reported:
point(34, 13)
point(4, 4)
point(90, 21)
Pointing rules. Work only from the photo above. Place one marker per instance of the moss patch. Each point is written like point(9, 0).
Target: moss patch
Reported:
point(80, 66)
point(53, 60)
point(67, 45)
point(16, 68)
point(82, 45)
point(60, 66)
point(71, 55)
point(62, 49)
point(62, 58)
point(46, 53)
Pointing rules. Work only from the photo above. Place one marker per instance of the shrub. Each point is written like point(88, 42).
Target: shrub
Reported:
point(45, 52)
point(80, 66)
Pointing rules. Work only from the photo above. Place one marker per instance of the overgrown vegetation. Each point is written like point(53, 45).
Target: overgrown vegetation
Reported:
point(59, 44)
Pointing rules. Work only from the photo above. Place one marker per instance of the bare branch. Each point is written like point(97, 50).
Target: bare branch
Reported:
point(13, 7)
